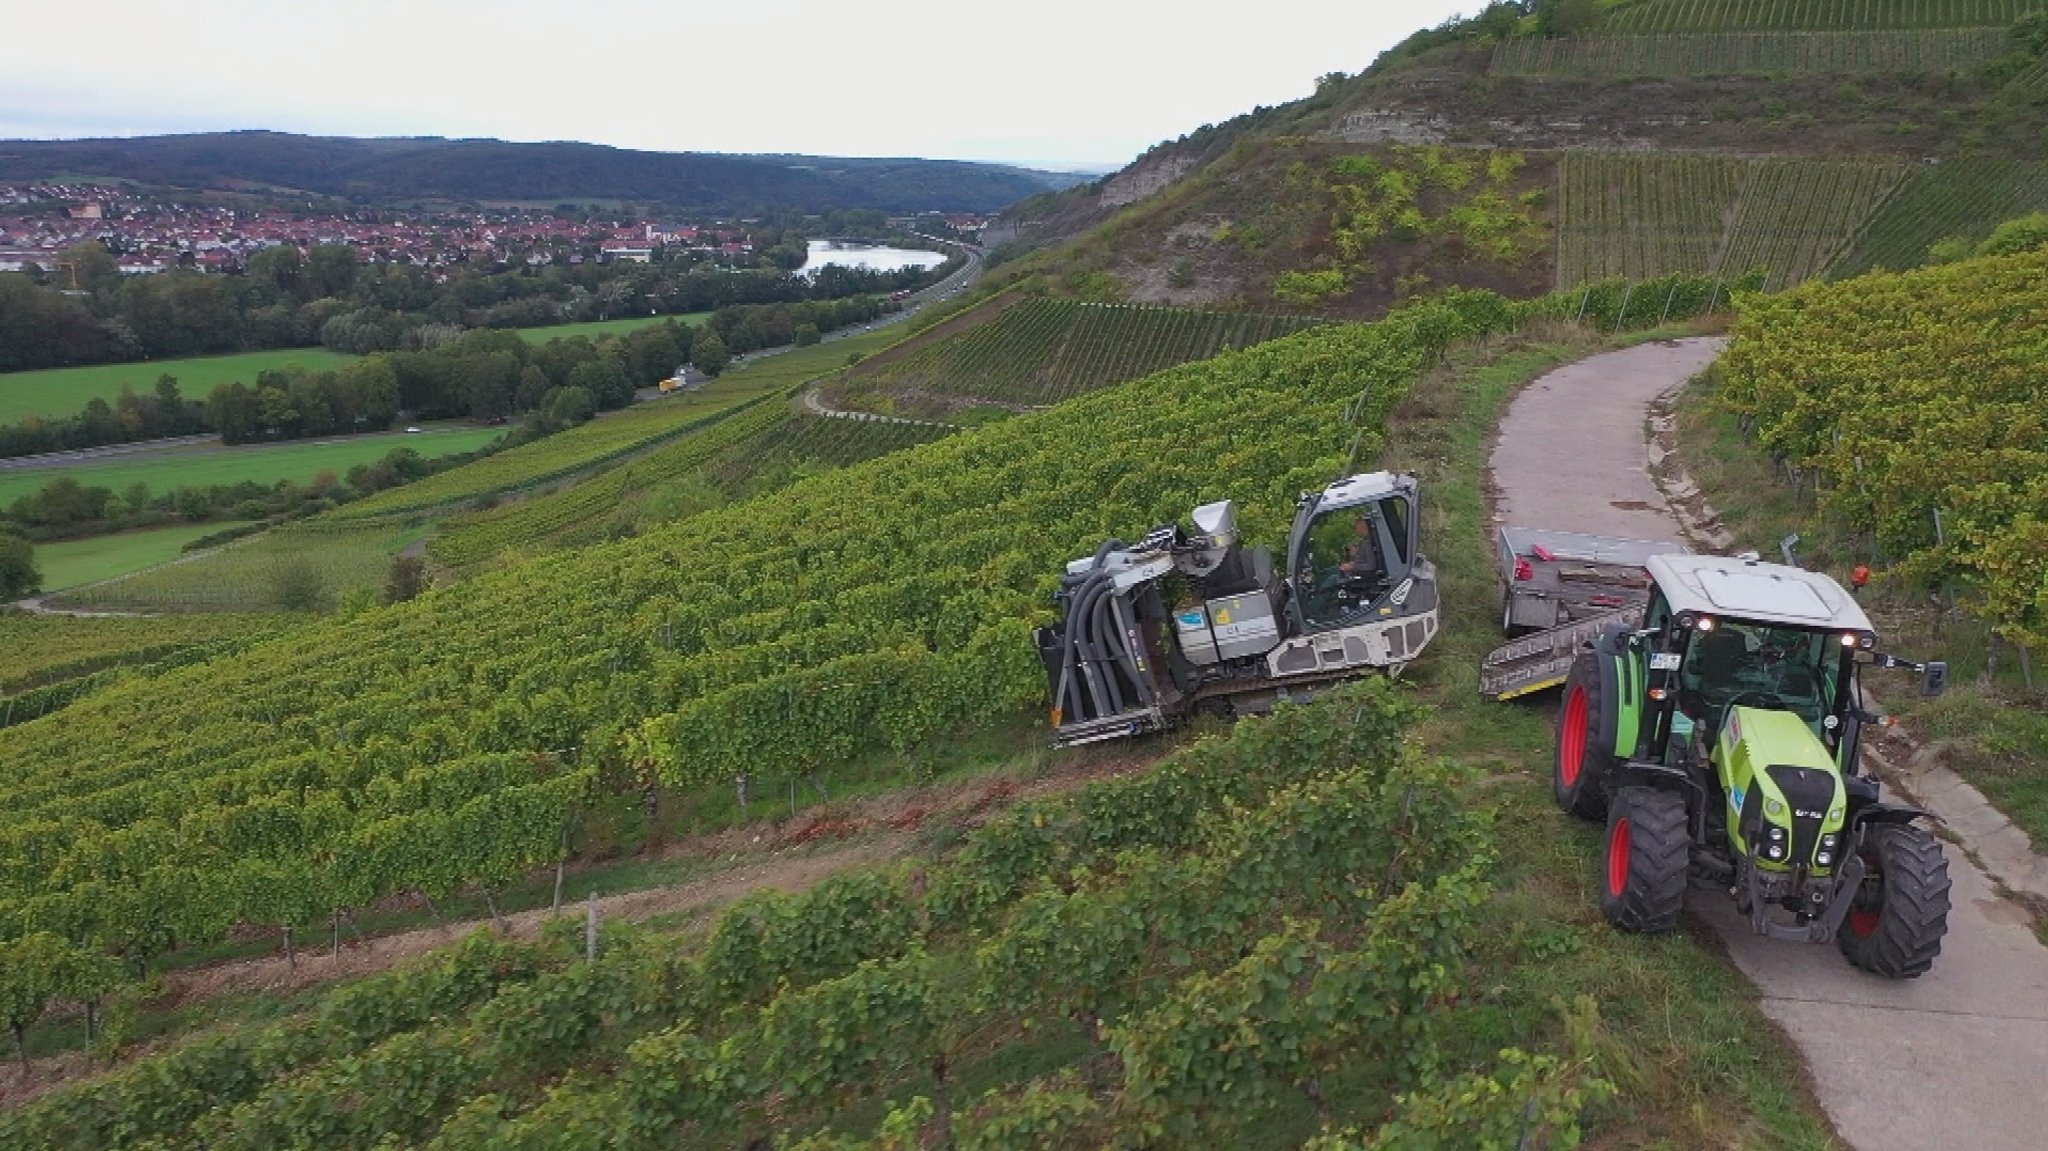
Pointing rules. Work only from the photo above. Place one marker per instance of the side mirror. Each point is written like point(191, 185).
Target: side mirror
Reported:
point(1933, 678)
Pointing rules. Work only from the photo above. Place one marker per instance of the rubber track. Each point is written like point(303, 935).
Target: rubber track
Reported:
point(1660, 852)
point(1915, 914)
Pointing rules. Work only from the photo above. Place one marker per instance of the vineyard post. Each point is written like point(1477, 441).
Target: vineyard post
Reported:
point(1713, 297)
point(1585, 295)
point(1621, 313)
point(590, 928)
point(1668, 297)
point(1948, 588)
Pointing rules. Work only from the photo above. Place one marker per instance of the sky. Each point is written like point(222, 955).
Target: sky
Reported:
point(1083, 84)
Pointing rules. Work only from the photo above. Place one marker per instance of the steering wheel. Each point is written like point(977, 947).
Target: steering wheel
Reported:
point(1769, 699)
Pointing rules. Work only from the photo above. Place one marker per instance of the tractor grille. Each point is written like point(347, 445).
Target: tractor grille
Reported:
point(1810, 791)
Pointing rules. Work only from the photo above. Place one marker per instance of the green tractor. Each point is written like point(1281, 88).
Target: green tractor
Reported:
point(1720, 740)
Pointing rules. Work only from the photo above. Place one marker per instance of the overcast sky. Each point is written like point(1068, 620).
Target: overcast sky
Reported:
point(1047, 82)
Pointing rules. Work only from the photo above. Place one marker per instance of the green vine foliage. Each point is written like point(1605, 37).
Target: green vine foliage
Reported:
point(1907, 394)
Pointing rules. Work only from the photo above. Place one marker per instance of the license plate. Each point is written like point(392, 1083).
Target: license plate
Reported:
point(1664, 661)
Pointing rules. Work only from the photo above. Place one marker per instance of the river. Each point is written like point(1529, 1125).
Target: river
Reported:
point(874, 257)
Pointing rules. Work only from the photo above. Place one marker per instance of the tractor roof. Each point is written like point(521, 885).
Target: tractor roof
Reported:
point(1754, 590)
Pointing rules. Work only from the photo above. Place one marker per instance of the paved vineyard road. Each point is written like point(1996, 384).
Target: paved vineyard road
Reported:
point(1957, 1058)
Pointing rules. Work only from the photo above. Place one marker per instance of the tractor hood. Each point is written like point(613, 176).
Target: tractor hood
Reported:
point(1786, 801)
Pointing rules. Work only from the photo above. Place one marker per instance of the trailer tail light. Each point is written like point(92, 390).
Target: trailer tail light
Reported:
point(1542, 553)
point(1523, 571)
point(1608, 601)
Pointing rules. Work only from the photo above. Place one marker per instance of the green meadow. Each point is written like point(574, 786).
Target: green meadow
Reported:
point(65, 391)
point(203, 465)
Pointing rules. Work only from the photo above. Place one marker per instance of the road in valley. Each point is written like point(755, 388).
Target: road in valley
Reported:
point(1956, 1058)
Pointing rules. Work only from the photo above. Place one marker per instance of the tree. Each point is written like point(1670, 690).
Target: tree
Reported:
point(1566, 17)
point(408, 578)
point(86, 267)
point(19, 575)
point(605, 381)
point(708, 352)
point(331, 271)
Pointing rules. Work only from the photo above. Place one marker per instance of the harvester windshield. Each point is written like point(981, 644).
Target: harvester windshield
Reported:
point(1351, 556)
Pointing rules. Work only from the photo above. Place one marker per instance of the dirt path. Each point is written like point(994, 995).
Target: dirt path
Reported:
point(1952, 1059)
point(787, 855)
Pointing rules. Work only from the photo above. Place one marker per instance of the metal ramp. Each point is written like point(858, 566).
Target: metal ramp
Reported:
point(1542, 659)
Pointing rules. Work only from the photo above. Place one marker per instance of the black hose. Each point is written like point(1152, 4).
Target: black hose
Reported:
point(1082, 620)
point(1111, 638)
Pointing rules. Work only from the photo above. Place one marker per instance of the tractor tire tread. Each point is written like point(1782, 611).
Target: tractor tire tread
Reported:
point(1914, 917)
point(1587, 799)
point(1660, 860)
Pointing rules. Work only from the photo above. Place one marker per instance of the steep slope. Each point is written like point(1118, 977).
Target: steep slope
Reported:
point(1715, 137)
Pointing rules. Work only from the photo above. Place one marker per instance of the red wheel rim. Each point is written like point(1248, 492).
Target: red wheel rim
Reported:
point(1617, 858)
point(1571, 739)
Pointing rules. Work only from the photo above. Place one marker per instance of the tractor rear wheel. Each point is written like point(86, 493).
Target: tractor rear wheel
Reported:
point(1900, 913)
point(1642, 870)
point(1579, 774)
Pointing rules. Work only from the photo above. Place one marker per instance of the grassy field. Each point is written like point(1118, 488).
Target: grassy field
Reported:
point(69, 563)
point(311, 565)
point(66, 391)
point(596, 328)
point(207, 464)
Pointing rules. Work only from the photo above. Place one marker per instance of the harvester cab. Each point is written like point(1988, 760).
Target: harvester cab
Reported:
point(1192, 621)
point(1721, 738)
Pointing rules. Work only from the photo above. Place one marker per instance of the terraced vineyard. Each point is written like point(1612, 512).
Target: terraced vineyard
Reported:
point(1302, 895)
point(1957, 199)
point(606, 438)
point(435, 745)
point(1902, 50)
point(1812, 15)
point(1040, 352)
point(763, 447)
point(1638, 216)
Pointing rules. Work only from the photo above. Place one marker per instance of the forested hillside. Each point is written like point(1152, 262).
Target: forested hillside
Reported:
point(382, 170)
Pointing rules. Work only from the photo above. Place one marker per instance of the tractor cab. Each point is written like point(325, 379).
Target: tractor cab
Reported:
point(1353, 549)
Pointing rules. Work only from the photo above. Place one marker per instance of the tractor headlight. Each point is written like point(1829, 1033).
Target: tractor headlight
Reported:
point(1828, 841)
point(1775, 851)
point(1835, 816)
point(1773, 808)
point(1777, 834)
point(1824, 858)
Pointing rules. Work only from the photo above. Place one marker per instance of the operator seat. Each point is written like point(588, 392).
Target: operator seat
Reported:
point(1716, 657)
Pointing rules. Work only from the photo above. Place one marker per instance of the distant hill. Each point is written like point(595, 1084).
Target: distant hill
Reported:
point(384, 170)
point(1716, 137)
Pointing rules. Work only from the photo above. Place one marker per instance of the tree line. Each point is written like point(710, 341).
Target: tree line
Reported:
point(441, 372)
point(90, 313)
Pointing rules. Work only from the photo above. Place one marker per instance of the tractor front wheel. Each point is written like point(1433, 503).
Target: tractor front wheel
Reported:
point(1642, 870)
point(1579, 774)
point(1900, 913)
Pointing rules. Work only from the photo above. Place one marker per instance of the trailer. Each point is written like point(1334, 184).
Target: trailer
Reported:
point(1560, 589)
